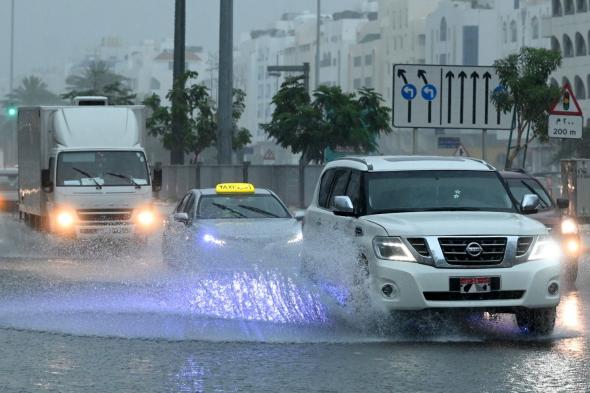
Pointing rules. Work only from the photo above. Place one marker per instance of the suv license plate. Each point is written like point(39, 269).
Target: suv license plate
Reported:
point(475, 284)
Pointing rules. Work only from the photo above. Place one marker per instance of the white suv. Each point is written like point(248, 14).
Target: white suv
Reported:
point(439, 232)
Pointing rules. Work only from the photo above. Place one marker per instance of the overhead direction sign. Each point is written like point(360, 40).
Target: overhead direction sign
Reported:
point(565, 116)
point(449, 97)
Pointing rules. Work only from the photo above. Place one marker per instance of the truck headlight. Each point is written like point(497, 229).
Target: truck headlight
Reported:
point(146, 218)
point(393, 249)
point(545, 248)
point(65, 219)
point(569, 227)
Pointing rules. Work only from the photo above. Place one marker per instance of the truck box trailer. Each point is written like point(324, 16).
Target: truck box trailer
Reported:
point(575, 178)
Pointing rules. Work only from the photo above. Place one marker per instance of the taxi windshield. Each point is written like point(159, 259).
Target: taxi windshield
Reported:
point(411, 191)
point(217, 207)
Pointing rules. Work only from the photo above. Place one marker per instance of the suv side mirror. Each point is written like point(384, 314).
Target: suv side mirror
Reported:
point(530, 203)
point(563, 203)
point(46, 182)
point(299, 215)
point(343, 206)
point(157, 180)
point(181, 217)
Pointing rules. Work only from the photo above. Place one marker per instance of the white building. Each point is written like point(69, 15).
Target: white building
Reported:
point(569, 32)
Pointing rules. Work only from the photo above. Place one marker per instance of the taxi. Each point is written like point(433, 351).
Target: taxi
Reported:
point(231, 221)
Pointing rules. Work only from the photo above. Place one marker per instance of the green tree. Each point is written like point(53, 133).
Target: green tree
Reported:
point(334, 119)
point(98, 79)
point(197, 110)
point(32, 91)
point(524, 77)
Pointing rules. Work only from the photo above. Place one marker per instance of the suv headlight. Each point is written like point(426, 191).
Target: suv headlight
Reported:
point(545, 248)
point(569, 227)
point(393, 249)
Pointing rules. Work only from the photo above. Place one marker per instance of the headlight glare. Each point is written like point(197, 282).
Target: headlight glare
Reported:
point(146, 218)
point(393, 249)
point(65, 219)
point(569, 227)
point(545, 248)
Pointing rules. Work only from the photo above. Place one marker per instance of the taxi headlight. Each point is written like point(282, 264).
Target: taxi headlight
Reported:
point(569, 227)
point(545, 248)
point(146, 218)
point(65, 219)
point(393, 249)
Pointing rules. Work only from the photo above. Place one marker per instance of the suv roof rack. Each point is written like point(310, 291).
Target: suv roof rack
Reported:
point(357, 159)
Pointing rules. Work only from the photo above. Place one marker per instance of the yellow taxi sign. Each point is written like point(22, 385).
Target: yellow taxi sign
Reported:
point(235, 188)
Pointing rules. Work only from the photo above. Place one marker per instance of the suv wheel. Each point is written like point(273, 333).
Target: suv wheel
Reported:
point(539, 321)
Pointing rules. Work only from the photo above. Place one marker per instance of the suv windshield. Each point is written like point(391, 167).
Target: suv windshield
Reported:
point(8, 183)
point(436, 191)
point(520, 187)
point(92, 168)
point(240, 206)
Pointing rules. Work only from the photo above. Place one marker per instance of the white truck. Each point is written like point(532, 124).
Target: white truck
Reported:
point(83, 170)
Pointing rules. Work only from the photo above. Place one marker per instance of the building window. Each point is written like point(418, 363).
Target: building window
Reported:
point(443, 59)
point(260, 111)
point(356, 83)
point(505, 32)
point(368, 59)
point(568, 47)
point(557, 11)
point(358, 61)
point(443, 30)
point(579, 89)
point(369, 82)
point(569, 7)
point(580, 45)
point(582, 6)
point(422, 39)
point(555, 44)
point(535, 28)
point(155, 84)
point(516, 4)
point(513, 32)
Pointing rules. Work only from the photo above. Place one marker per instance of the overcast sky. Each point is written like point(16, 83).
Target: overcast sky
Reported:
point(52, 32)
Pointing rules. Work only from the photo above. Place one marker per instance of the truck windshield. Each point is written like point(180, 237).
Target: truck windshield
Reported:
point(92, 168)
point(413, 191)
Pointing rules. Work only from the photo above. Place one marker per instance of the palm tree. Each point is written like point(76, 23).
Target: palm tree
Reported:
point(98, 79)
point(32, 91)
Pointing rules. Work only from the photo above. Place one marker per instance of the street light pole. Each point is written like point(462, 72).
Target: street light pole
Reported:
point(11, 76)
point(225, 91)
point(177, 153)
point(317, 46)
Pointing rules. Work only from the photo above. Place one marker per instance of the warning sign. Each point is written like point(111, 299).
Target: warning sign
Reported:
point(567, 104)
point(461, 151)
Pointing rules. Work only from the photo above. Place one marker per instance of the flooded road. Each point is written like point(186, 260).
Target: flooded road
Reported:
point(111, 318)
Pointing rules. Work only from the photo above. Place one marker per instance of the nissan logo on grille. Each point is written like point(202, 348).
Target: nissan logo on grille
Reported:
point(473, 249)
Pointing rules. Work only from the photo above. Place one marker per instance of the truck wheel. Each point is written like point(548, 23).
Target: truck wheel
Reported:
point(538, 321)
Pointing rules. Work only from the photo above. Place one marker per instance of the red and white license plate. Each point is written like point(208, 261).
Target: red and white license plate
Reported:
point(475, 284)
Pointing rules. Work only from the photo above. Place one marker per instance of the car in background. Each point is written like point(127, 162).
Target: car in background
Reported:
point(8, 189)
point(551, 214)
point(229, 222)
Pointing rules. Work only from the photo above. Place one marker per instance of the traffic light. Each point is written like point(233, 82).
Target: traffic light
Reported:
point(11, 110)
point(566, 101)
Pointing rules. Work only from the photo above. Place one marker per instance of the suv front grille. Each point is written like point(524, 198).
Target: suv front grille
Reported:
point(523, 245)
point(464, 251)
point(419, 244)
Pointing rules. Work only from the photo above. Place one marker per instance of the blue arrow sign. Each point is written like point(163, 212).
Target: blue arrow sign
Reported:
point(409, 91)
point(429, 92)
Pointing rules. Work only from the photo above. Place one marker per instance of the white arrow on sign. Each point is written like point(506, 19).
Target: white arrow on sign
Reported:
point(450, 97)
point(563, 126)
